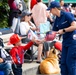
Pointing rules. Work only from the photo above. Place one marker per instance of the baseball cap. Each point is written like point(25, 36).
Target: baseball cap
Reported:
point(53, 4)
point(25, 13)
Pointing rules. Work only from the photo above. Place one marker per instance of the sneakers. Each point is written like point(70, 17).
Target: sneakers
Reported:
point(38, 61)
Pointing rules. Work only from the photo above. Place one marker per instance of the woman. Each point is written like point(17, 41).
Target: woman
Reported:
point(25, 26)
point(65, 25)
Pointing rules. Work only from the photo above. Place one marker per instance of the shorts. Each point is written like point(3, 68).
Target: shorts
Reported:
point(48, 45)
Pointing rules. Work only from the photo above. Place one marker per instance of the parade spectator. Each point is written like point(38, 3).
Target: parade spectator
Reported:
point(5, 60)
point(65, 25)
point(15, 7)
point(27, 25)
point(16, 21)
point(17, 52)
point(40, 16)
point(66, 7)
point(13, 10)
point(62, 4)
point(39, 13)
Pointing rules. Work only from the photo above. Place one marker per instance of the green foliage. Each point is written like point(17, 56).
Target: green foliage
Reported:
point(26, 1)
point(4, 11)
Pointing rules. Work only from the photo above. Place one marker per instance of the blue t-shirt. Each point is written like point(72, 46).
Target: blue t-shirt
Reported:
point(64, 21)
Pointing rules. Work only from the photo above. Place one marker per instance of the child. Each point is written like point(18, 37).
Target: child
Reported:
point(17, 53)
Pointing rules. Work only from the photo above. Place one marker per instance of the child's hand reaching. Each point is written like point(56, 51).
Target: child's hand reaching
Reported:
point(36, 41)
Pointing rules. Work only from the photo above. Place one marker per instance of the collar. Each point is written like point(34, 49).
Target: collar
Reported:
point(61, 13)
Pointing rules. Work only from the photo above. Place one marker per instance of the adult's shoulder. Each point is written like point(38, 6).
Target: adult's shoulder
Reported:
point(44, 5)
point(68, 14)
point(69, 17)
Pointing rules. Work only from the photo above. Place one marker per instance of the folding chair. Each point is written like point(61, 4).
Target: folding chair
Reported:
point(29, 54)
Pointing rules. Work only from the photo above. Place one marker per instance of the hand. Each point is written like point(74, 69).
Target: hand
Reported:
point(60, 32)
point(38, 41)
point(1, 60)
point(35, 40)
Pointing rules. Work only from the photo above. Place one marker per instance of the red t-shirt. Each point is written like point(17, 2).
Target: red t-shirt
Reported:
point(17, 53)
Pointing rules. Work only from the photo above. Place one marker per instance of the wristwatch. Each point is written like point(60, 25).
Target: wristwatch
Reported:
point(64, 30)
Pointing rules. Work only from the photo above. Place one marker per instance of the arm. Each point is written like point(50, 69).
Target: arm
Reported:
point(68, 29)
point(32, 26)
point(13, 55)
point(71, 24)
point(49, 16)
point(28, 45)
point(31, 43)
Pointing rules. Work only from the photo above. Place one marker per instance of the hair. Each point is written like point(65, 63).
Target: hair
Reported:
point(23, 19)
point(38, 0)
point(61, 0)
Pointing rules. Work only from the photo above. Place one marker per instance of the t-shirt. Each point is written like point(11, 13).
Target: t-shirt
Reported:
point(25, 27)
point(39, 13)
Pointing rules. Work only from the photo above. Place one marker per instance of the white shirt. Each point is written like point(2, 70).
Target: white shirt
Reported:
point(25, 27)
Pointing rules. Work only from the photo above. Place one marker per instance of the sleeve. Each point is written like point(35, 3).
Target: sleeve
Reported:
point(26, 47)
point(69, 17)
point(32, 25)
point(13, 54)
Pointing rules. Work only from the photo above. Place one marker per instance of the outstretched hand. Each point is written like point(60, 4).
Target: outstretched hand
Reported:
point(36, 40)
point(60, 32)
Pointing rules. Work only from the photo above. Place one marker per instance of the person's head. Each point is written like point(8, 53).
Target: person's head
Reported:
point(15, 40)
point(26, 16)
point(54, 7)
point(38, 0)
point(61, 2)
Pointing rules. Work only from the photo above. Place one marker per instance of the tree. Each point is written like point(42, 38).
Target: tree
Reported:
point(4, 11)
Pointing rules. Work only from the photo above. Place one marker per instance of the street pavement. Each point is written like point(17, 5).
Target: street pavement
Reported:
point(32, 69)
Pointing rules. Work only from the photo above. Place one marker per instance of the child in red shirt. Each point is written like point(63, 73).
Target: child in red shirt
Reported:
point(17, 53)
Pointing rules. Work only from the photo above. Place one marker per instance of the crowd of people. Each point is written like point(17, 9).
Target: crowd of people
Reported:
point(58, 17)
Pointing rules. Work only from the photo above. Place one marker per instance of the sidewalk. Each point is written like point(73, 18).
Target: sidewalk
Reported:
point(31, 69)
